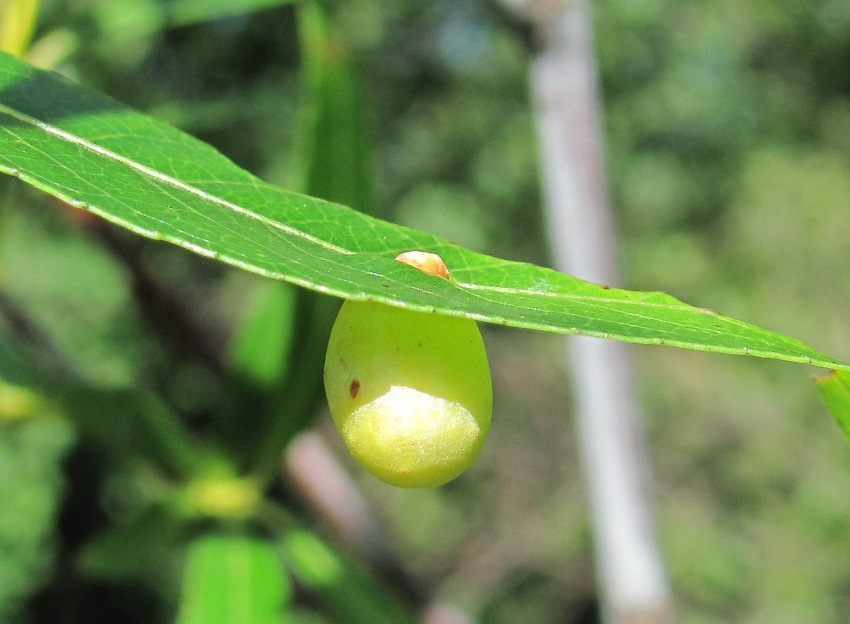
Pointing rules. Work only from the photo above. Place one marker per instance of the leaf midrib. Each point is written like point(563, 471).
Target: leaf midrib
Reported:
point(162, 177)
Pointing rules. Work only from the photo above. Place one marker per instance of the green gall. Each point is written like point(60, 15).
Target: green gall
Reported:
point(410, 392)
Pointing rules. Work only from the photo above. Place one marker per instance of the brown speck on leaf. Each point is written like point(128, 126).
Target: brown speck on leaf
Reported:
point(354, 388)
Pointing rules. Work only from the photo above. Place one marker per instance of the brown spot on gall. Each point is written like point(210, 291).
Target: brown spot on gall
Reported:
point(354, 388)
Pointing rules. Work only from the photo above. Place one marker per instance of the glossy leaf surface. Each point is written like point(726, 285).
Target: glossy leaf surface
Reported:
point(93, 153)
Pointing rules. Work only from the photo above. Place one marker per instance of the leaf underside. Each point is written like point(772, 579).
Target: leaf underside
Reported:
point(91, 152)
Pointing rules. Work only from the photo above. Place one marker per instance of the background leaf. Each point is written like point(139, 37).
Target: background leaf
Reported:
point(31, 483)
point(835, 391)
point(233, 580)
point(351, 595)
point(183, 12)
point(160, 183)
point(264, 340)
point(334, 146)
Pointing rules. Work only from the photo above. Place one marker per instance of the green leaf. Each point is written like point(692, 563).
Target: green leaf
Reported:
point(277, 360)
point(233, 580)
point(185, 12)
point(150, 16)
point(835, 391)
point(152, 179)
point(32, 451)
point(349, 593)
point(334, 145)
point(261, 347)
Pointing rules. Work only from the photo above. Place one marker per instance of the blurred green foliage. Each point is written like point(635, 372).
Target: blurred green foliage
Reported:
point(728, 147)
point(32, 448)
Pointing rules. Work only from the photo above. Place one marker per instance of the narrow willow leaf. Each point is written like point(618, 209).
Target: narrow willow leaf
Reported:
point(334, 146)
point(93, 153)
point(835, 391)
point(260, 351)
point(186, 12)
